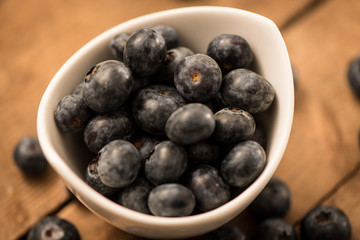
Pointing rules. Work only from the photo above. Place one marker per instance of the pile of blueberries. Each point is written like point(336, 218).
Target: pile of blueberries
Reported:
point(172, 131)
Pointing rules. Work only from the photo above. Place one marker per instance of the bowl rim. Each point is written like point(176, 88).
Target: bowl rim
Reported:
point(78, 185)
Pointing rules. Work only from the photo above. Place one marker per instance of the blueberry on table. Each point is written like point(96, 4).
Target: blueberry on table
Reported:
point(145, 51)
point(275, 228)
point(118, 164)
point(136, 195)
point(325, 223)
point(353, 75)
point(189, 124)
point(165, 74)
point(145, 145)
point(153, 105)
point(117, 45)
point(171, 200)
point(107, 86)
point(107, 127)
point(247, 90)
point(72, 113)
point(226, 232)
point(243, 164)
point(166, 164)
point(273, 201)
point(198, 78)
point(230, 52)
point(203, 152)
point(29, 157)
point(208, 187)
point(93, 180)
point(169, 34)
point(53, 228)
point(233, 125)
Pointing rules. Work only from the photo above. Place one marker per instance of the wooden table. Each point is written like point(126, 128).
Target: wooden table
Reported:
point(322, 161)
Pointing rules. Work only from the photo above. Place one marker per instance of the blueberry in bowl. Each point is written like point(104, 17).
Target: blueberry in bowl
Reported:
point(70, 157)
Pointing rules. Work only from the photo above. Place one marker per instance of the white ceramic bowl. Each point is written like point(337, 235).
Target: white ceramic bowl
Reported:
point(196, 27)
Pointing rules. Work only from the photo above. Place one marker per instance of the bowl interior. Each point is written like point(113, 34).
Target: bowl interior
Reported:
point(196, 26)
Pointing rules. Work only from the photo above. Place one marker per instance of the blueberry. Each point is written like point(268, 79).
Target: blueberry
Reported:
point(171, 200)
point(189, 124)
point(117, 45)
point(153, 105)
point(230, 52)
point(325, 223)
point(145, 51)
point(145, 145)
point(243, 164)
point(273, 201)
point(198, 78)
point(204, 152)
point(233, 125)
point(165, 74)
point(53, 228)
point(78, 89)
point(260, 136)
point(353, 75)
point(107, 86)
point(93, 180)
point(275, 228)
point(118, 164)
point(169, 34)
point(136, 195)
point(72, 114)
point(29, 157)
point(106, 127)
point(166, 164)
point(247, 90)
point(226, 232)
point(208, 187)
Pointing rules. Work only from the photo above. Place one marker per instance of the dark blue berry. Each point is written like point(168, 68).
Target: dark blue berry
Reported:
point(136, 195)
point(273, 201)
point(165, 75)
point(145, 51)
point(233, 125)
point(198, 78)
point(260, 136)
point(208, 187)
point(153, 105)
point(275, 228)
point(166, 164)
point(325, 223)
point(169, 34)
point(226, 232)
point(189, 124)
point(53, 228)
point(29, 157)
point(247, 90)
point(118, 164)
point(353, 75)
point(93, 180)
point(106, 127)
point(72, 114)
point(243, 164)
point(230, 52)
point(145, 145)
point(107, 86)
point(171, 200)
point(204, 152)
point(117, 45)
point(78, 89)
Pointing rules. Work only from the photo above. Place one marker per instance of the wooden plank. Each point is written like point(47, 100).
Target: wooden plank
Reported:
point(323, 146)
point(38, 37)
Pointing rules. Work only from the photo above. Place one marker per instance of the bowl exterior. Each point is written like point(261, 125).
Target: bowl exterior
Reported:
point(196, 27)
